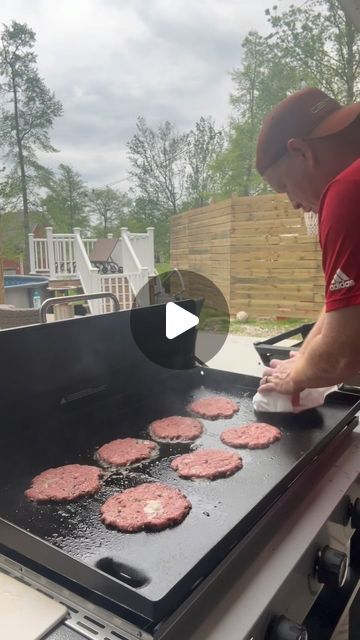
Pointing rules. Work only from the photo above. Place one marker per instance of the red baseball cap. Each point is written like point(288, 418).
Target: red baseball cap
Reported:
point(309, 113)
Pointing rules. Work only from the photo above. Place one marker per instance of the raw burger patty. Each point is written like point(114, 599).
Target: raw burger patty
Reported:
point(257, 435)
point(176, 429)
point(214, 407)
point(125, 451)
point(207, 463)
point(152, 506)
point(65, 483)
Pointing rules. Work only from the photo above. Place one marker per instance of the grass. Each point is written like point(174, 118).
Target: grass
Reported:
point(212, 320)
point(162, 267)
point(266, 327)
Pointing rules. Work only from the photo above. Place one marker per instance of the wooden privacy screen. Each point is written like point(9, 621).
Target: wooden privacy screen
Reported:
point(257, 251)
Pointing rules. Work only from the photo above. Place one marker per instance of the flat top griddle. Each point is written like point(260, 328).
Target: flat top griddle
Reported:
point(151, 573)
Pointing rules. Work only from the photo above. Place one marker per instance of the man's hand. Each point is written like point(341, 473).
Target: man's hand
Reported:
point(278, 377)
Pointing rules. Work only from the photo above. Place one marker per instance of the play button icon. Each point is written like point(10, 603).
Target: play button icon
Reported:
point(178, 320)
point(179, 317)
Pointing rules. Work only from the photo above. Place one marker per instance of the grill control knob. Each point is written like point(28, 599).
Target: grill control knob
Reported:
point(282, 628)
point(355, 514)
point(331, 567)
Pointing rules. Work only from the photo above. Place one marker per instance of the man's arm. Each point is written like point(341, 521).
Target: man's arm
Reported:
point(333, 351)
point(330, 354)
point(333, 354)
point(315, 331)
point(331, 357)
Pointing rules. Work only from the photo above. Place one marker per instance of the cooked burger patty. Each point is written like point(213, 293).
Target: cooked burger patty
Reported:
point(125, 451)
point(214, 407)
point(176, 429)
point(256, 435)
point(151, 506)
point(65, 483)
point(207, 463)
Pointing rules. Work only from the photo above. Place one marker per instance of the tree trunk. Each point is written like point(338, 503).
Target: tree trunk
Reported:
point(2, 290)
point(350, 61)
point(26, 221)
point(26, 214)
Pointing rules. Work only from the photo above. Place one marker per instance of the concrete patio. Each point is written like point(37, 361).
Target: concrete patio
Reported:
point(237, 354)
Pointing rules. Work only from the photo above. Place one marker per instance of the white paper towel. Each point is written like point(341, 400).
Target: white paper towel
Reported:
point(271, 401)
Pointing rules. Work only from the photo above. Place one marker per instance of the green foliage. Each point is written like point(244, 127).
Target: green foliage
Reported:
point(146, 213)
point(109, 208)
point(157, 164)
point(66, 200)
point(309, 45)
point(27, 112)
point(11, 237)
point(171, 172)
point(321, 44)
point(205, 144)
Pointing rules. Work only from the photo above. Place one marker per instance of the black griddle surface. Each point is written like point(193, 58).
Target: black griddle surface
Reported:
point(157, 569)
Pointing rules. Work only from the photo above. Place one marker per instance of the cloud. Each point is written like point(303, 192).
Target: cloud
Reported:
point(109, 61)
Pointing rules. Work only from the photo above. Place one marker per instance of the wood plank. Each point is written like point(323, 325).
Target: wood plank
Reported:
point(268, 240)
point(293, 297)
point(264, 278)
point(291, 307)
point(278, 288)
point(209, 209)
point(245, 265)
point(271, 232)
point(271, 227)
point(271, 215)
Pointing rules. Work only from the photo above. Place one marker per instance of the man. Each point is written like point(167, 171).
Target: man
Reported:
point(309, 148)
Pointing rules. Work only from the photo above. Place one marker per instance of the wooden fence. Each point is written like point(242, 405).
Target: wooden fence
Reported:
point(257, 251)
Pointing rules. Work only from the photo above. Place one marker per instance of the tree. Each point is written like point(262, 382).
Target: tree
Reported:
point(205, 143)
point(66, 200)
point(110, 207)
point(146, 213)
point(259, 84)
point(317, 39)
point(158, 164)
point(28, 110)
point(310, 45)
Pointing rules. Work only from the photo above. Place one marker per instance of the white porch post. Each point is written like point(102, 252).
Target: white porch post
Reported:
point(51, 252)
point(32, 253)
point(145, 293)
point(151, 252)
point(88, 276)
point(77, 232)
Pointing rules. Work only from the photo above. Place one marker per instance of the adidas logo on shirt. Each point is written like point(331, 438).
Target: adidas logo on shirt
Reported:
point(341, 281)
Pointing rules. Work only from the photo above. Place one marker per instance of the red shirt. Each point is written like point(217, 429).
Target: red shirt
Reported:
point(339, 233)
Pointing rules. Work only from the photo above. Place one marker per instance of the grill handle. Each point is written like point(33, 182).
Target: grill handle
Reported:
point(50, 302)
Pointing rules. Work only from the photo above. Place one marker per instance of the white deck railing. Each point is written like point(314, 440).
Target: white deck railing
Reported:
point(118, 284)
point(89, 244)
point(87, 274)
point(39, 258)
point(66, 257)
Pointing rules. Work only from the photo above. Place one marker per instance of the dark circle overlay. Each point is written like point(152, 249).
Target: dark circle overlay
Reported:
point(194, 293)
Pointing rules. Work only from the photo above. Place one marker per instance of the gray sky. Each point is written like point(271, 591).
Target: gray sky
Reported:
point(109, 61)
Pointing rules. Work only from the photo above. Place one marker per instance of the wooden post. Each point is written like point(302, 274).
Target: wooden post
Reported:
point(151, 251)
point(51, 252)
point(32, 253)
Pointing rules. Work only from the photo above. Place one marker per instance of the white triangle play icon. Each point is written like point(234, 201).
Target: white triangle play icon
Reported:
point(178, 320)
